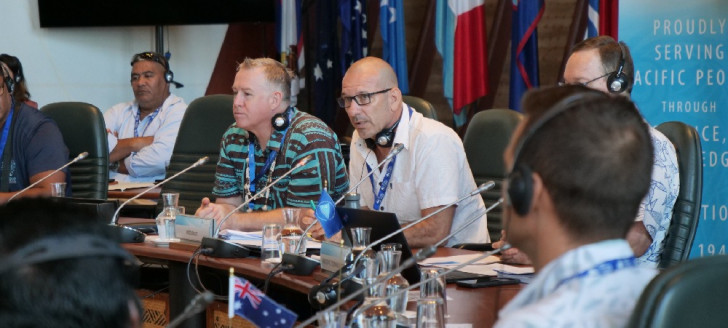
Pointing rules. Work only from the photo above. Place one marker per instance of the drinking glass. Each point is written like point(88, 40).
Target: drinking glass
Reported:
point(292, 233)
point(434, 288)
point(270, 250)
point(58, 189)
point(430, 313)
point(332, 319)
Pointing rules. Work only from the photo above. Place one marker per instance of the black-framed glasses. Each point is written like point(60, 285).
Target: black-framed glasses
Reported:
point(360, 99)
point(153, 56)
point(586, 84)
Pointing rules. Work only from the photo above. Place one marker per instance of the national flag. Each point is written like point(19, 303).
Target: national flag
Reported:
point(250, 303)
point(460, 29)
point(354, 44)
point(592, 21)
point(327, 216)
point(289, 33)
point(391, 24)
point(326, 70)
point(524, 49)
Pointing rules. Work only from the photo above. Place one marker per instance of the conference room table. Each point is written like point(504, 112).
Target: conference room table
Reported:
point(476, 306)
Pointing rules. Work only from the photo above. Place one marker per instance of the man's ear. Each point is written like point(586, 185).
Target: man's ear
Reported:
point(275, 99)
point(395, 95)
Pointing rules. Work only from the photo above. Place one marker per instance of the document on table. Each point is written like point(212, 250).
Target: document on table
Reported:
point(255, 238)
point(121, 186)
point(487, 266)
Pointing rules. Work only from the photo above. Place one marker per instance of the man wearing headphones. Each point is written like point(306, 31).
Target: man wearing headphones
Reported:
point(142, 132)
point(269, 138)
point(569, 204)
point(430, 172)
point(31, 145)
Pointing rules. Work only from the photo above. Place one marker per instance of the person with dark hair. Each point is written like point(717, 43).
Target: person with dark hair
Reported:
point(570, 203)
point(270, 136)
point(142, 132)
point(31, 145)
point(60, 268)
point(21, 92)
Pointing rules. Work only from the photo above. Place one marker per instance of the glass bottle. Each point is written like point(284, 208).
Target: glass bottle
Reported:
point(166, 219)
point(389, 258)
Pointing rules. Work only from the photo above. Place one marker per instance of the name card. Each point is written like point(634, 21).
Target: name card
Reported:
point(193, 228)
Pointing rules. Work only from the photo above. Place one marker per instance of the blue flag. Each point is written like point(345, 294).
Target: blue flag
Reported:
point(326, 68)
point(524, 49)
point(391, 23)
point(354, 45)
point(327, 216)
point(250, 303)
point(592, 22)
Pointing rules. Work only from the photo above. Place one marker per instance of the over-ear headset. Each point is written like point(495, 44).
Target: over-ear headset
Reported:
point(384, 138)
point(280, 121)
point(9, 82)
point(519, 194)
point(617, 82)
point(161, 60)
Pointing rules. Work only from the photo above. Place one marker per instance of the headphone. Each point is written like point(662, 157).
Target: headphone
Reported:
point(159, 59)
point(520, 183)
point(54, 248)
point(617, 82)
point(9, 81)
point(280, 121)
point(384, 138)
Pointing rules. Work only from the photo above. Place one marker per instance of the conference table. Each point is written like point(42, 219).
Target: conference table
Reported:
point(478, 306)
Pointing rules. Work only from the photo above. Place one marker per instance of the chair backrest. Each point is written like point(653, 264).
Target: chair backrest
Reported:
point(686, 212)
point(485, 141)
point(425, 108)
point(691, 294)
point(83, 129)
point(205, 121)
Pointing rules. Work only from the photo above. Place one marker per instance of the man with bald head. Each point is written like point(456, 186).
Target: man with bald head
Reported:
point(430, 172)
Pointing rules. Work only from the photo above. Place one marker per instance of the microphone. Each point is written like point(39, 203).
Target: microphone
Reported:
point(131, 235)
point(198, 304)
point(419, 256)
point(216, 247)
point(302, 265)
point(78, 158)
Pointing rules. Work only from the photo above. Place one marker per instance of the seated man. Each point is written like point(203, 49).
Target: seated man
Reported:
point(431, 171)
point(596, 63)
point(142, 132)
point(269, 138)
point(31, 146)
point(580, 165)
point(60, 268)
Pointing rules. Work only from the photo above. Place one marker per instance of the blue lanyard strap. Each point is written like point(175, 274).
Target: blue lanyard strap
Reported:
point(6, 129)
point(601, 269)
point(137, 121)
point(253, 178)
point(379, 196)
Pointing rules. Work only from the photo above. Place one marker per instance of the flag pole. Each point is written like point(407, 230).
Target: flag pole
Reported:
point(231, 296)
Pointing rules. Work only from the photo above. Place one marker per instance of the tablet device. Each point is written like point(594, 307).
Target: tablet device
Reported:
point(382, 224)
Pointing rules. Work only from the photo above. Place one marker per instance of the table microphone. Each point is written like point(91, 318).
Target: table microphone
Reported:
point(216, 247)
point(302, 265)
point(419, 256)
point(78, 158)
point(198, 304)
point(131, 235)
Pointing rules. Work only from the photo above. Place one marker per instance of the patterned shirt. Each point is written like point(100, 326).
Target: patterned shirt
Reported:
point(655, 211)
point(595, 285)
point(306, 135)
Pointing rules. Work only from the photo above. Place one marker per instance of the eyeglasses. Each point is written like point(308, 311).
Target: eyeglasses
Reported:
point(153, 56)
point(586, 84)
point(360, 99)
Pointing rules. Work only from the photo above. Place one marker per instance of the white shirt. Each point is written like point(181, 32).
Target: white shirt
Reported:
point(560, 297)
point(150, 162)
point(431, 171)
point(655, 211)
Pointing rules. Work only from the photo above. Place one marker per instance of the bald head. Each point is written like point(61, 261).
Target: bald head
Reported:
point(375, 68)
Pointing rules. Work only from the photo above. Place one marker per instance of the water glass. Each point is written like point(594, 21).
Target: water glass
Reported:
point(292, 232)
point(58, 189)
point(270, 250)
point(332, 319)
point(430, 313)
point(435, 288)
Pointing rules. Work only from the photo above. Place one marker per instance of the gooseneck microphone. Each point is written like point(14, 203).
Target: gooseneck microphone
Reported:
point(197, 305)
point(78, 158)
point(216, 247)
point(131, 235)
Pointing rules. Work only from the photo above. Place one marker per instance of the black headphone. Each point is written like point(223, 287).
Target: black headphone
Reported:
point(9, 82)
point(384, 138)
point(161, 60)
point(617, 82)
point(280, 121)
point(520, 183)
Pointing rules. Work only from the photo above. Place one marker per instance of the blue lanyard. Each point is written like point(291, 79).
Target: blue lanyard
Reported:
point(137, 121)
point(6, 130)
point(271, 158)
point(379, 196)
point(601, 269)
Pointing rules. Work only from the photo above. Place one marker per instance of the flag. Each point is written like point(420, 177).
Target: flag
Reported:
point(391, 24)
point(460, 29)
point(288, 33)
point(250, 303)
point(326, 215)
point(354, 44)
point(524, 49)
point(326, 70)
point(592, 23)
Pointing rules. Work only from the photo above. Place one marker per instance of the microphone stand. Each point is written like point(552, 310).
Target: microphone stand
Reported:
point(131, 235)
point(198, 304)
point(302, 265)
point(222, 248)
point(78, 158)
